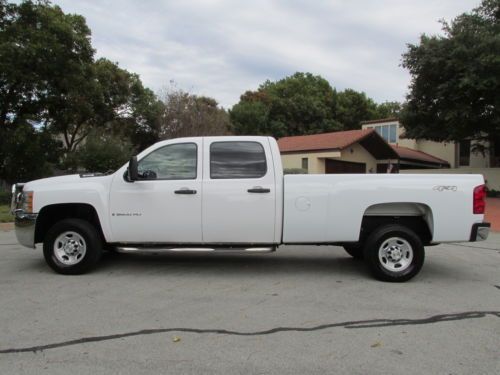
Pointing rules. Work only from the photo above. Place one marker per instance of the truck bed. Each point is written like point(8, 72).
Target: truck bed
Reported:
point(330, 208)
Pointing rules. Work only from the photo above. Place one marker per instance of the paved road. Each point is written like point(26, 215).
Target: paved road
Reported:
point(301, 310)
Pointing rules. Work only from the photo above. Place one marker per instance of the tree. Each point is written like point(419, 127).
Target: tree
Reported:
point(454, 92)
point(143, 125)
point(26, 153)
point(49, 79)
point(108, 95)
point(187, 115)
point(300, 104)
point(103, 152)
point(389, 109)
point(42, 50)
point(354, 107)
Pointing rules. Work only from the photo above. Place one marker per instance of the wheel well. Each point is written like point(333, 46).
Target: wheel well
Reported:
point(416, 223)
point(49, 215)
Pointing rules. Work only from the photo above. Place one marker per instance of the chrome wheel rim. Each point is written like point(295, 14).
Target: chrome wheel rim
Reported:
point(70, 248)
point(395, 254)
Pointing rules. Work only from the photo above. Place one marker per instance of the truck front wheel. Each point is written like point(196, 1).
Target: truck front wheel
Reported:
point(72, 246)
point(394, 253)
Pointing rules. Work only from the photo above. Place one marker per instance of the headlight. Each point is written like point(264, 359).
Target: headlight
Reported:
point(27, 201)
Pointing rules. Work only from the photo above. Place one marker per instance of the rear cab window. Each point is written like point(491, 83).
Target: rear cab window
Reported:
point(237, 160)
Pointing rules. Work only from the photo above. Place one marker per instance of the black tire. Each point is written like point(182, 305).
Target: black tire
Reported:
point(355, 250)
point(389, 240)
point(79, 234)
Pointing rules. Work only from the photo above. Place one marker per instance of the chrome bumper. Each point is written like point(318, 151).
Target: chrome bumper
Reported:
point(25, 228)
point(480, 232)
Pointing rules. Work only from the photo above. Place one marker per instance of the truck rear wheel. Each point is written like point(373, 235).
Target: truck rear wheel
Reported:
point(356, 251)
point(394, 253)
point(72, 246)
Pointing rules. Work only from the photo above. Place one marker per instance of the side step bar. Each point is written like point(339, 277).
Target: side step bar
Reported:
point(151, 250)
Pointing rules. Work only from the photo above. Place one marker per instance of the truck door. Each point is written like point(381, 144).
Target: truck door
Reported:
point(165, 204)
point(238, 191)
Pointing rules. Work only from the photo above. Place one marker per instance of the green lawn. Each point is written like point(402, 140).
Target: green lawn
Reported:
point(5, 216)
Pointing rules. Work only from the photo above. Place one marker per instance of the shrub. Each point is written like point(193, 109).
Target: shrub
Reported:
point(103, 153)
point(5, 197)
point(493, 193)
point(294, 171)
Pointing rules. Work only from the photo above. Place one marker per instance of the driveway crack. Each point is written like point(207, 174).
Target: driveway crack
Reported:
point(354, 324)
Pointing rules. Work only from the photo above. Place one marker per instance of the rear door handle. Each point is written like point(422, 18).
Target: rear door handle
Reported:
point(258, 189)
point(185, 191)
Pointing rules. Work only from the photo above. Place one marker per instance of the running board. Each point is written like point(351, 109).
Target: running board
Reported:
point(151, 250)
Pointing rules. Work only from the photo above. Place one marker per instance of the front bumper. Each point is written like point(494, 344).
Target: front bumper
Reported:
point(480, 232)
point(25, 228)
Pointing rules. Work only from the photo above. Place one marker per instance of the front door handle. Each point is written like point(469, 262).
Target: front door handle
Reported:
point(185, 191)
point(258, 189)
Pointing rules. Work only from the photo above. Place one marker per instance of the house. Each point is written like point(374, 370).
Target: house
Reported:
point(352, 151)
point(461, 156)
point(457, 154)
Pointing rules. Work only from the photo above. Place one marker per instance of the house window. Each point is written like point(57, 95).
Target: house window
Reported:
point(305, 164)
point(464, 153)
point(388, 132)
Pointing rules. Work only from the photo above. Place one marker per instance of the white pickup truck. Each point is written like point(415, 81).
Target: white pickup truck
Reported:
point(229, 194)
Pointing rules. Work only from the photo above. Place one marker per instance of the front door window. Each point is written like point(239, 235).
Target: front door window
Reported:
point(172, 162)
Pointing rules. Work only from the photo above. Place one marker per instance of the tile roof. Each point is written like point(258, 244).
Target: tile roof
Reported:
point(325, 141)
point(408, 153)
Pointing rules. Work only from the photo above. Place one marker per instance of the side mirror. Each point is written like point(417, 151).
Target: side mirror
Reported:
point(133, 172)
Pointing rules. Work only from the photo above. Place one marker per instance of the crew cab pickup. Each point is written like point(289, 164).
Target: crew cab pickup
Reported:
point(229, 194)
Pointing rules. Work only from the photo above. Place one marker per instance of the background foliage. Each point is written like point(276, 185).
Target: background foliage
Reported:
point(63, 109)
point(454, 93)
point(304, 104)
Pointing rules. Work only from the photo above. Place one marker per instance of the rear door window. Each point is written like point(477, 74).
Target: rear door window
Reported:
point(230, 160)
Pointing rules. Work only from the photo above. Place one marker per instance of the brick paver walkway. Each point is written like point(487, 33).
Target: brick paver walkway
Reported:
point(5, 227)
point(493, 213)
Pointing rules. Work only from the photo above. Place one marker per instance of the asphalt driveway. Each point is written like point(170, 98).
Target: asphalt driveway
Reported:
point(300, 310)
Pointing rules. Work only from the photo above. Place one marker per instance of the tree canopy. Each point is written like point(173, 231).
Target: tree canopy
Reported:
point(354, 107)
point(300, 104)
point(304, 104)
point(187, 115)
point(43, 53)
point(454, 92)
point(53, 88)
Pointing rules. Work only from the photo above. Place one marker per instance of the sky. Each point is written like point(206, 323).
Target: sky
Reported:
point(222, 48)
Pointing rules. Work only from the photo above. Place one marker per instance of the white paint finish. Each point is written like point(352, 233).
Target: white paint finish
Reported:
point(338, 203)
point(278, 178)
point(314, 209)
point(150, 211)
point(230, 213)
point(93, 191)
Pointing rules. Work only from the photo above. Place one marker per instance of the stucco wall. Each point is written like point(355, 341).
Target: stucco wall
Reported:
point(358, 154)
point(316, 165)
point(492, 175)
point(355, 153)
point(477, 159)
point(444, 150)
point(408, 143)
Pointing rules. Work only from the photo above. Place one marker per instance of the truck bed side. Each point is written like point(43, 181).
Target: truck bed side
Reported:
point(330, 208)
